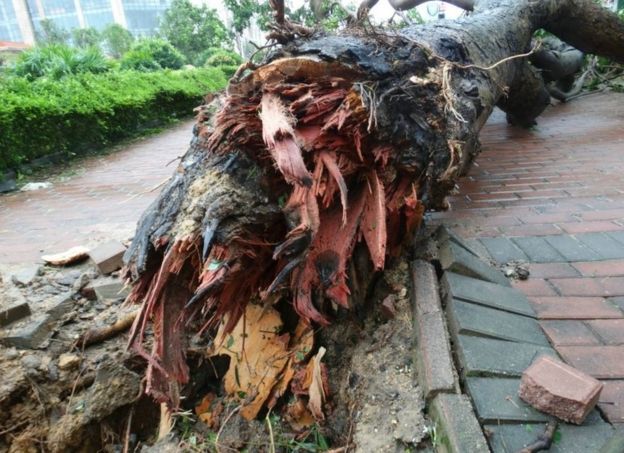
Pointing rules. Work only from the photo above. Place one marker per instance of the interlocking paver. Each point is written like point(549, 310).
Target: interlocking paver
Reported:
point(604, 245)
point(602, 362)
point(538, 250)
point(569, 333)
point(575, 308)
point(472, 319)
point(573, 243)
point(102, 201)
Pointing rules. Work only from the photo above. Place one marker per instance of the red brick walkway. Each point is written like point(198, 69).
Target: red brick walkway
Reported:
point(104, 200)
point(554, 196)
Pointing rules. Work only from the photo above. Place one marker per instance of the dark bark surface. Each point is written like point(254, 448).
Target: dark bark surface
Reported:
point(334, 140)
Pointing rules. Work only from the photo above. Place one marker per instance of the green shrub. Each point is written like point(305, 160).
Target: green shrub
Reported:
point(152, 54)
point(222, 57)
point(58, 60)
point(88, 111)
point(228, 70)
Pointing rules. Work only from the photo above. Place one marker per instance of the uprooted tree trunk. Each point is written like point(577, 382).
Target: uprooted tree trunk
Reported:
point(334, 140)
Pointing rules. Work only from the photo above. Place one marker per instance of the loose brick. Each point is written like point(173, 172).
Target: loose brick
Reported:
point(574, 308)
point(601, 362)
point(108, 256)
point(569, 333)
point(559, 389)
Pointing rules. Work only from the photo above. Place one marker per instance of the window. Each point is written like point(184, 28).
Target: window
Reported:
point(98, 19)
point(9, 28)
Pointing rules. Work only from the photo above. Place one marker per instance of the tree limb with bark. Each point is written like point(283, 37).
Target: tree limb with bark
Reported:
point(333, 141)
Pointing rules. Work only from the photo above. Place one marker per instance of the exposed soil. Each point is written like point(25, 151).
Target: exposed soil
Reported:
point(59, 398)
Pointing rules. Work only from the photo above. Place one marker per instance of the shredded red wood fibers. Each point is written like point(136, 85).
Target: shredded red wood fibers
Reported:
point(341, 188)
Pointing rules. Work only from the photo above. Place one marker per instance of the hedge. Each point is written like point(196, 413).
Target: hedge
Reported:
point(89, 111)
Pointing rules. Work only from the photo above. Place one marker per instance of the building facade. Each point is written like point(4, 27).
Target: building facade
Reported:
point(20, 20)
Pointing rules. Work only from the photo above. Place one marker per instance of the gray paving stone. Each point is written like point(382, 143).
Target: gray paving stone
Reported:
point(25, 275)
point(108, 256)
point(503, 250)
point(589, 437)
point(538, 250)
point(444, 234)
point(496, 400)
point(457, 427)
point(34, 331)
point(13, 312)
point(617, 235)
point(488, 294)
point(571, 248)
point(456, 259)
point(488, 357)
point(110, 289)
point(472, 319)
point(604, 245)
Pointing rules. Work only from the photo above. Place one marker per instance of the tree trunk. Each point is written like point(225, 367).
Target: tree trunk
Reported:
point(335, 139)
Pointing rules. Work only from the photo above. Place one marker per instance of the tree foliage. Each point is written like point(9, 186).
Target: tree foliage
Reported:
point(117, 40)
point(51, 33)
point(191, 29)
point(152, 54)
point(85, 37)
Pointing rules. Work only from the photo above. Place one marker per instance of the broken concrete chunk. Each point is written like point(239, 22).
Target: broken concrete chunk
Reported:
point(108, 256)
point(13, 306)
point(25, 275)
point(109, 289)
point(73, 255)
point(558, 389)
point(14, 312)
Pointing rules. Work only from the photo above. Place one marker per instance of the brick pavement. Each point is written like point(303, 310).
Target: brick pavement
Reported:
point(554, 196)
point(103, 200)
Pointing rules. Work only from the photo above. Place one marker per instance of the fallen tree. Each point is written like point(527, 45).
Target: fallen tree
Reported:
point(335, 143)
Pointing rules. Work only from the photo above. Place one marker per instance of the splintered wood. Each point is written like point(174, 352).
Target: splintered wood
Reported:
point(313, 148)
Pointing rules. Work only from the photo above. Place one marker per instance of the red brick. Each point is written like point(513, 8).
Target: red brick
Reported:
point(611, 331)
point(574, 308)
point(603, 362)
point(600, 268)
point(599, 286)
point(534, 287)
point(611, 401)
point(560, 390)
point(610, 214)
point(568, 333)
point(550, 270)
point(589, 227)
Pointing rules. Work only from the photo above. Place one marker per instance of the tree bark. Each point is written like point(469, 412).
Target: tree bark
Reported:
point(333, 140)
